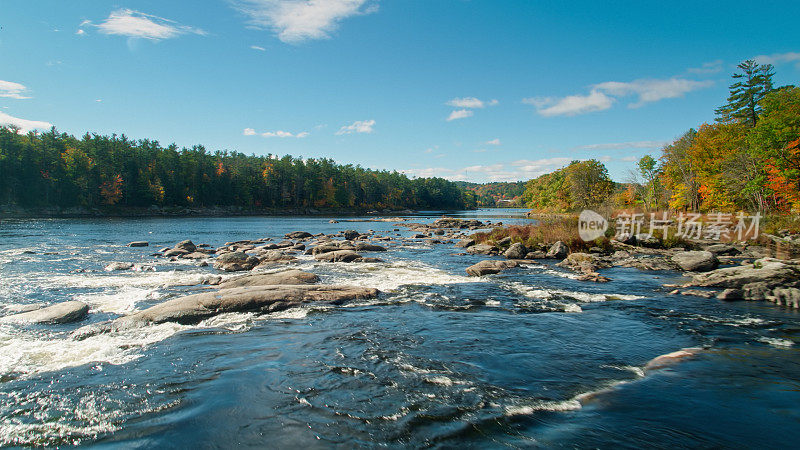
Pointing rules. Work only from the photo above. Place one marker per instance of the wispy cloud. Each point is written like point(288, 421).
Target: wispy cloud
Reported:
point(470, 102)
point(707, 68)
point(278, 133)
point(513, 171)
point(778, 58)
point(570, 105)
point(648, 91)
point(603, 95)
point(24, 125)
point(623, 145)
point(296, 21)
point(460, 114)
point(359, 126)
point(256, 47)
point(135, 24)
point(10, 89)
point(493, 142)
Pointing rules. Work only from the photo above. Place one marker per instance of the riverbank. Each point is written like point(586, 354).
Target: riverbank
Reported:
point(15, 212)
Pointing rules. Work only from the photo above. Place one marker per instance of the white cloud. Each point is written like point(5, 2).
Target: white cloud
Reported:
point(9, 89)
point(603, 95)
point(493, 142)
point(135, 24)
point(778, 58)
point(514, 171)
point(80, 32)
point(255, 47)
point(652, 90)
point(624, 145)
point(470, 102)
point(23, 124)
point(277, 133)
point(630, 158)
point(571, 105)
point(459, 114)
point(706, 68)
point(300, 20)
point(359, 126)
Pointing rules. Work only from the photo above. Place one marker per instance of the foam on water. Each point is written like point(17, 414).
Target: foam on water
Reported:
point(555, 294)
point(776, 342)
point(120, 301)
point(390, 276)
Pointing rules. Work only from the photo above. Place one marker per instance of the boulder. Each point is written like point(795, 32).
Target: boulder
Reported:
point(503, 242)
point(536, 254)
point(464, 243)
point(186, 245)
point(235, 261)
point(338, 256)
point(175, 252)
point(516, 251)
point(288, 277)
point(696, 261)
point(64, 312)
point(351, 235)
point(367, 247)
point(559, 250)
point(731, 295)
point(482, 249)
point(194, 255)
point(138, 244)
point(722, 249)
point(263, 299)
point(489, 267)
point(298, 235)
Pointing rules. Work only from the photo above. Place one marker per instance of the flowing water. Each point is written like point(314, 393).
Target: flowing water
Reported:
point(526, 358)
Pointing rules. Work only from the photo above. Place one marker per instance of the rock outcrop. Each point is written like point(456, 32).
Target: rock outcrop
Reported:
point(516, 251)
point(559, 250)
point(235, 261)
point(287, 277)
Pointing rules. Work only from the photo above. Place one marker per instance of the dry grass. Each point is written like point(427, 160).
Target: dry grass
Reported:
point(544, 234)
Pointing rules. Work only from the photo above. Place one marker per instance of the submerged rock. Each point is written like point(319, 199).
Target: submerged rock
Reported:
point(351, 235)
point(298, 235)
point(64, 312)
point(186, 245)
point(138, 244)
point(489, 267)
point(367, 247)
point(482, 249)
point(118, 266)
point(696, 261)
point(464, 243)
point(671, 358)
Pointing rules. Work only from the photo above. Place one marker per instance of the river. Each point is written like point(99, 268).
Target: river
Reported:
point(530, 357)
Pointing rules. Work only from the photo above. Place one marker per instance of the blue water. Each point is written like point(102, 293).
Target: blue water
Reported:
point(527, 358)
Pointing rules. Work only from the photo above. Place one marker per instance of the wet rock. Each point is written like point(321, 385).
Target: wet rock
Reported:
point(438, 232)
point(671, 358)
point(175, 252)
point(489, 267)
point(696, 261)
point(351, 235)
point(64, 312)
point(516, 251)
point(559, 250)
point(582, 262)
point(194, 255)
point(287, 277)
point(768, 270)
point(369, 260)
point(731, 295)
point(186, 245)
point(138, 244)
point(118, 266)
point(262, 299)
point(235, 261)
point(504, 242)
point(298, 235)
point(338, 256)
point(482, 249)
point(536, 254)
point(698, 293)
point(367, 247)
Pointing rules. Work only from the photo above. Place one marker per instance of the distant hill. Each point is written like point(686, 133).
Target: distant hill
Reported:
point(496, 194)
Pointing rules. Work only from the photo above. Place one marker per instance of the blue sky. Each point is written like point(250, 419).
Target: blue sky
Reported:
point(471, 90)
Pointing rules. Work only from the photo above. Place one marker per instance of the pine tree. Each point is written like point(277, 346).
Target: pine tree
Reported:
point(753, 84)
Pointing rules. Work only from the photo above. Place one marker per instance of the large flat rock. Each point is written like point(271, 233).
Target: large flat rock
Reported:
point(64, 312)
point(263, 299)
point(289, 277)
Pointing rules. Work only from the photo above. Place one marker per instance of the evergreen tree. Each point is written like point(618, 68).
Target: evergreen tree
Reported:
point(753, 83)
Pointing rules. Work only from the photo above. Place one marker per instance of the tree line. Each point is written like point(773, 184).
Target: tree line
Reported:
point(57, 169)
point(748, 159)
